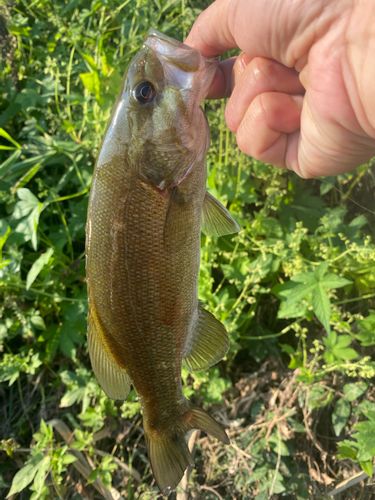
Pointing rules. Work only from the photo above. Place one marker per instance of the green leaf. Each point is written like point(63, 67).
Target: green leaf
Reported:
point(327, 184)
point(365, 438)
point(38, 322)
point(91, 62)
point(321, 270)
point(40, 476)
point(322, 306)
point(346, 354)
point(28, 203)
point(7, 164)
point(289, 309)
point(367, 467)
point(297, 293)
point(72, 396)
point(68, 458)
point(26, 475)
point(258, 473)
point(342, 341)
point(37, 267)
point(355, 390)
point(306, 278)
point(340, 415)
point(319, 397)
point(288, 349)
point(91, 82)
point(26, 177)
point(337, 346)
point(367, 329)
point(346, 452)
point(278, 446)
point(5, 134)
point(29, 209)
point(333, 281)
point(93, 476)
point(19, 30)
point(263, 495)
point(4, 233)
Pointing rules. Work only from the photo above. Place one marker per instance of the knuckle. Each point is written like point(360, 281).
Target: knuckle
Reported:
point(244, 142)
point(258, 110)
point(261, 69)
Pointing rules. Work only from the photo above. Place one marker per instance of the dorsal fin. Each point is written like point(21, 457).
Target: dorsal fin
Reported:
point(208, 343)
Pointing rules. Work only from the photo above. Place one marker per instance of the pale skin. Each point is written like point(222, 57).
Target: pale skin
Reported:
point(302, 93)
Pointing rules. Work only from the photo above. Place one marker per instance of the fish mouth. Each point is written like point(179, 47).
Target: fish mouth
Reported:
point(184, 67)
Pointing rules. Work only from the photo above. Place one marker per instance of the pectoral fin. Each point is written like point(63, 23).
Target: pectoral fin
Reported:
point(209, 342)
point(112, 378)
point(217, 221)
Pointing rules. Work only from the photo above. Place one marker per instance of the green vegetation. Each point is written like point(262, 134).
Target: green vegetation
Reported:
point(295, 289)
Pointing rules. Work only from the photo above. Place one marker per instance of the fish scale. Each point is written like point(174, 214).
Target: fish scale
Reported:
point(147, 201)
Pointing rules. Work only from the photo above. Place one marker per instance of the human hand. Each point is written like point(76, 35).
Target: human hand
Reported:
point(302, 93)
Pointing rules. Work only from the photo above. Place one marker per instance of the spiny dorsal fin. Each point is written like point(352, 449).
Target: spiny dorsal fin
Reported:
point(209, 342)
point(217, 221)
point(112, 378)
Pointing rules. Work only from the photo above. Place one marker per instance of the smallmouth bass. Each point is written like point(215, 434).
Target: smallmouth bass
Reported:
point(148, 205)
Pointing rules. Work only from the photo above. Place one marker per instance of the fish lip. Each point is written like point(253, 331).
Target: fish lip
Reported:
point(184, 67)
point(171, 45)
point(171, 42)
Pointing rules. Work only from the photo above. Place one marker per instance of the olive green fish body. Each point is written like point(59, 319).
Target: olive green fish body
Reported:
point(146, 285)
point(148, 205)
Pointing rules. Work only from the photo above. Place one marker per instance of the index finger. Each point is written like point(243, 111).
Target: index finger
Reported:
point(210, 33)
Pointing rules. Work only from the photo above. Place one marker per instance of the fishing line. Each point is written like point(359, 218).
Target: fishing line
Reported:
point(348, 197)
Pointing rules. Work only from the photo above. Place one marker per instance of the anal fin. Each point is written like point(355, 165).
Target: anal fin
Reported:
point(112, 378)
point(217, 221)
point(208, 343)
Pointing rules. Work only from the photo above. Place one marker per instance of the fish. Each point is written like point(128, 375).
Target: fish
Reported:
point(148, 205)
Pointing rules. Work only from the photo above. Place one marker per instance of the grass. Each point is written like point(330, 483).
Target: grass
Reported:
point(295, 288)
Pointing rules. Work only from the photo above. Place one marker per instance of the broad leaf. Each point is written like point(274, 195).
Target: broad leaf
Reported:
point(340, 415)
point(321, 270)
point(354, 391)
point(306, 278)
point(26, 475)
point(367, 329)
point(40, 476)
point(367, 467)
point(37, 267)
point(333, 281)
point(28, 209)
point(322, 306)
point(91, 82)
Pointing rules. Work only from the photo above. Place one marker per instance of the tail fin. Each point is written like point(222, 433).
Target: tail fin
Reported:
point(169, 454)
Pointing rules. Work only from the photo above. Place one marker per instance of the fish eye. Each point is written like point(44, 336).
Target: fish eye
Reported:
point(144, 92)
